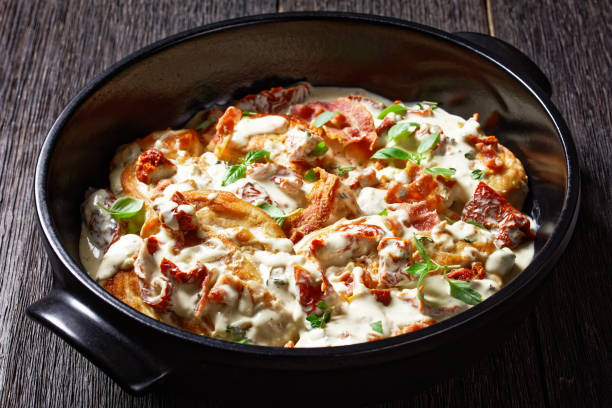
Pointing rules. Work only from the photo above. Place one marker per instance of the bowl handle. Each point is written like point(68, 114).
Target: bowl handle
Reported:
point(122, 357)
point(510, 56)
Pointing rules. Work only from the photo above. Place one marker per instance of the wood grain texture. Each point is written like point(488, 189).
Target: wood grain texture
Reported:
point(49, 50)
point(571, 41)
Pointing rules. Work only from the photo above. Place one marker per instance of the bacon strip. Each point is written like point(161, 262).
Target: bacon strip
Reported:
point(274, 100)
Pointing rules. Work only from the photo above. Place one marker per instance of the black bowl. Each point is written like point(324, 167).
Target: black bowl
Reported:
point(164, 84)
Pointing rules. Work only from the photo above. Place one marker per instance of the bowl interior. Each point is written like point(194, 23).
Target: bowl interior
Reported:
point(164, 88)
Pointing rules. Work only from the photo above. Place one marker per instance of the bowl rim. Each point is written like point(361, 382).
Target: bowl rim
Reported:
point(521, 284)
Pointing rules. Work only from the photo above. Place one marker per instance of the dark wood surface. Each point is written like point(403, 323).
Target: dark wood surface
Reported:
point(560, 356)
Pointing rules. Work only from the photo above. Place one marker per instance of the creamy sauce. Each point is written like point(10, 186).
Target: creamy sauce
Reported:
point(363, 259)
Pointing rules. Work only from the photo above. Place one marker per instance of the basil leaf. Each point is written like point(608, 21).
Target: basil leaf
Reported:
point(392, 153)
point(421, 249)
point(276, 213)
point(377, 326)
point(401, 130)
point(469, 156)
point(248, 113)
point(477, 224)
point(207, 122)
point(442, 171)
point(420, 106)
point(324, 117)
point(255, 155)
point(478, 174)
point(320, 149)
point(383, 212)
point(310, 175)
point(235, 173)
point(395, 108)
point(318, 321)
point(468, 240)
point(125, 207)
point(343, 170)
point(463, 291)
point(417, 268)
point(322, 305)
point(429, 142)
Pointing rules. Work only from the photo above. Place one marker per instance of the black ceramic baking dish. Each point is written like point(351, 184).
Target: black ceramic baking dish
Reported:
point(164, 84)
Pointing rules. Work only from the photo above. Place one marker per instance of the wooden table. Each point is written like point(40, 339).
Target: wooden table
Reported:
point(560, 356)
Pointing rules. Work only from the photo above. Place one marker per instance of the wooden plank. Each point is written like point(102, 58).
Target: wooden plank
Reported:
point(454, 15)
point(48, 51)
point(570, 40)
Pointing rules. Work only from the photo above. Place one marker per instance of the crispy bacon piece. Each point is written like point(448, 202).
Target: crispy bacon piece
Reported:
point(185, 220)
point(382, 295)
point(489, 149)
point(394, 255)
point(420, 216)
point(387, 123)
point(153, 166)
point(354, 124)
point(170, 270)
point(328, 201)
point(491, 209)
point(308, 292)
point(152, 245)
point(424, 188)
point(274, 100)
point(224, 130)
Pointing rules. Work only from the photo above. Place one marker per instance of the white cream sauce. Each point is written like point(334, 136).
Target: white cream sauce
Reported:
point(271, 322)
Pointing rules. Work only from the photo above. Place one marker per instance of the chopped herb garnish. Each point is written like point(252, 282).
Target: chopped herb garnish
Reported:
point(449, 220)
point(320, 149)
point(478, 174)
point(469, 156)
point(324, 117)
point(441, 171)
point(322, 305)
point(377, 326)
point(468, 240)
point(395, 108)
point(238, 171)
point(124, 207)
point(402, 130)
point(391, 153)
point(244, 341)
point(207, 122)
point(463, 291)
point(420, 106)
point(247, 113)
point(383, 212)
point(310, 175)
point(426, 266)
point(477, 224)
point(343, 170)
point(276, 213)
point(432, 105)
point(429, 142)
point(254, 156)
point(237, 334)
point(317, 321)
point(235, 173)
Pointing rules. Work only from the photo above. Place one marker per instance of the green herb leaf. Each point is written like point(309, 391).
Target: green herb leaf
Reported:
point(244, 341)
point(463, 291)
point(235, 173)
point(477, 224)
point(124, 207)
point(478, 174)
point(322, 305)
point(276, 213)
point(310, 175)
point(237, 334)
point(431, 105)
point(468, 240)
point(324, 117)
point(392, 153)
point(207, 122)
point(441, 171)
point(343, 170)
point(318, 321)
point(420, 106)
point(248, 113)
point(383, 212)
point(429, 142)
point(320, 149)
point(395, 108)
point(255, 155)
point(402, 130)
point(417, 268)
point(377, 326)
point(469, 156)
point(449, 220)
